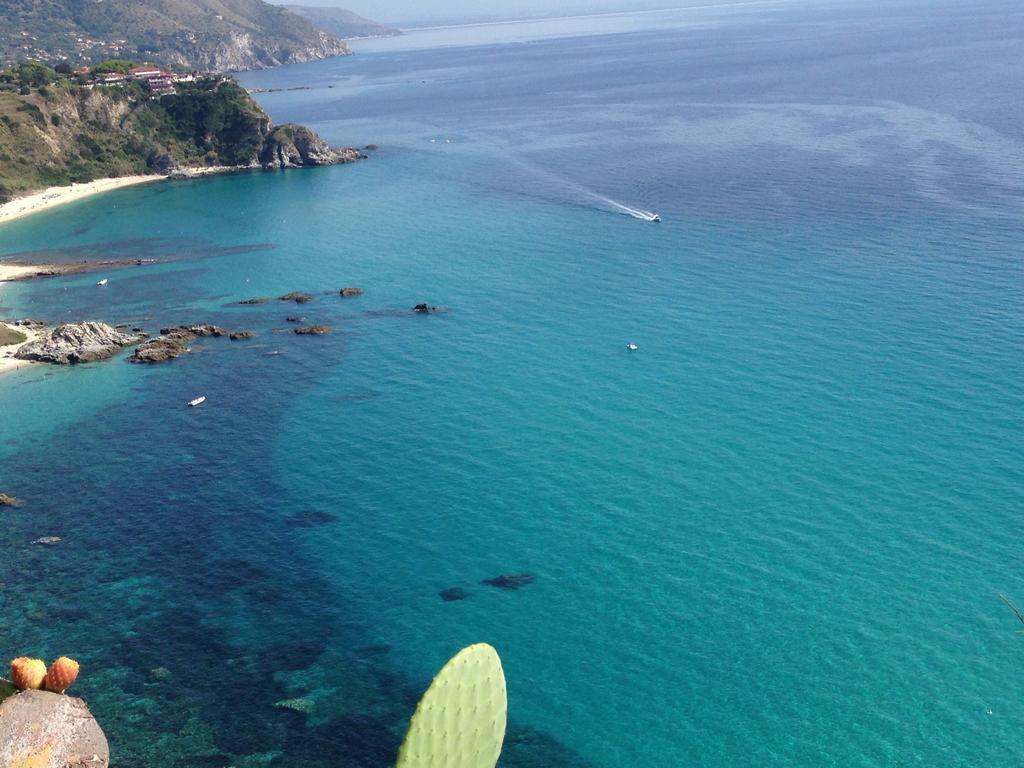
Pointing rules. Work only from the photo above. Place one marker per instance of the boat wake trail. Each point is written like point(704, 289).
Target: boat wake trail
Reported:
point(566, 188)
point(636, 213)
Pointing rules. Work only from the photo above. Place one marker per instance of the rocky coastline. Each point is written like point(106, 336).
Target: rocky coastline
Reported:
point(90, 341)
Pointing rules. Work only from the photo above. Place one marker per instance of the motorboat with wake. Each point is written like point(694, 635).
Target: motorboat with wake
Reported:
point(197, 401)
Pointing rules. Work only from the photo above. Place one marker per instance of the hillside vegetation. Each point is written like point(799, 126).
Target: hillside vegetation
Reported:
point(60, 132)
point(222, 35)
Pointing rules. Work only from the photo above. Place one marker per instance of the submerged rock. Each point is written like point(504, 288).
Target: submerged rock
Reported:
point(295, 319)
point(313, 330)
point(297, 296)
point(160, 674)
point(259, 300)
point(73, 343)
point(510, 580)
point(50, 730)
point(305, 706)
point(452, 594)
point(239, 335)
point(348, 292)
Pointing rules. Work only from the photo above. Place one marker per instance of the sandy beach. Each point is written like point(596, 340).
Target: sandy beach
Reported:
point(8, 363)
point(15, 271)
point(55, 196)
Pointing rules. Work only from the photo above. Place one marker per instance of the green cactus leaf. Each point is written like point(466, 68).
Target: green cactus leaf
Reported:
point(460, 721)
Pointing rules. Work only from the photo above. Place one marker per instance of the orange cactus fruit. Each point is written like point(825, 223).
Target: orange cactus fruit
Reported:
point(28, 673)
point(62, 673)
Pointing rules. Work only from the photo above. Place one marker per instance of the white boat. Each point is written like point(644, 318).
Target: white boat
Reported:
point(632, 347)
point(102, 282)
point(198, 401)
point(656, 218)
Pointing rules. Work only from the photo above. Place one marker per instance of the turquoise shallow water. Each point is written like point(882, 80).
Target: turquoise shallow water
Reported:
point(775, 534)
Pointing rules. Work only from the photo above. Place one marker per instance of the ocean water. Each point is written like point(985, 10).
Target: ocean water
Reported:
point(773, 535)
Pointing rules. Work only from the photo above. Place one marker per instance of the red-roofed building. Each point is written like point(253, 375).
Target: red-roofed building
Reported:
point(145, 72)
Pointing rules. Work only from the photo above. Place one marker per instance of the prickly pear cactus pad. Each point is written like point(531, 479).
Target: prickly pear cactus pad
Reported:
point(460, 721)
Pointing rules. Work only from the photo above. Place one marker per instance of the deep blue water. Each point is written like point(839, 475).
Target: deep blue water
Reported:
point(775, 534)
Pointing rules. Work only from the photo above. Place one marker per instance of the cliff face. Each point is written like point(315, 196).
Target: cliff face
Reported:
point(220, 35)
point(291, 146)
point(65, 134)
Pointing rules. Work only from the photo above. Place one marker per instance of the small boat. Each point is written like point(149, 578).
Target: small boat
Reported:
point(632, 347)
point(102, 282)
point(198, 401)
point(656, 218)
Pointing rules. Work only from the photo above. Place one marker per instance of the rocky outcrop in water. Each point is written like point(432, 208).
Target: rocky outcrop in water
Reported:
point(349, 292)
point(297, 296)
point(173, 342)
point(313, 330)
point(39, 729)
point(9, 501)
point(253, 301)
point(295, 146)
point(426, 309)
point(240, 335)
point(78, 343)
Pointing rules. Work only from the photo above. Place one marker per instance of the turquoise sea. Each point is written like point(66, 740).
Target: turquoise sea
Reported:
point(775, 534)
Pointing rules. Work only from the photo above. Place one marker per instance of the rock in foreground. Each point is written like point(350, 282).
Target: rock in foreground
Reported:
point(47, 730)
point(78, 343)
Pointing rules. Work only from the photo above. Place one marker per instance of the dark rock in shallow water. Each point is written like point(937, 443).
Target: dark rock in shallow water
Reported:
point(452, 594)
point(254, 301)
point(239, 335)
point(200, 329)
point(297, 296)
point(313, 330)
point(173, 342)
point(510, 580)
point(77, 343)
point(426, 309)
point(371, 147)
point(348, 292)
point(294, 319)
point(9, 501)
